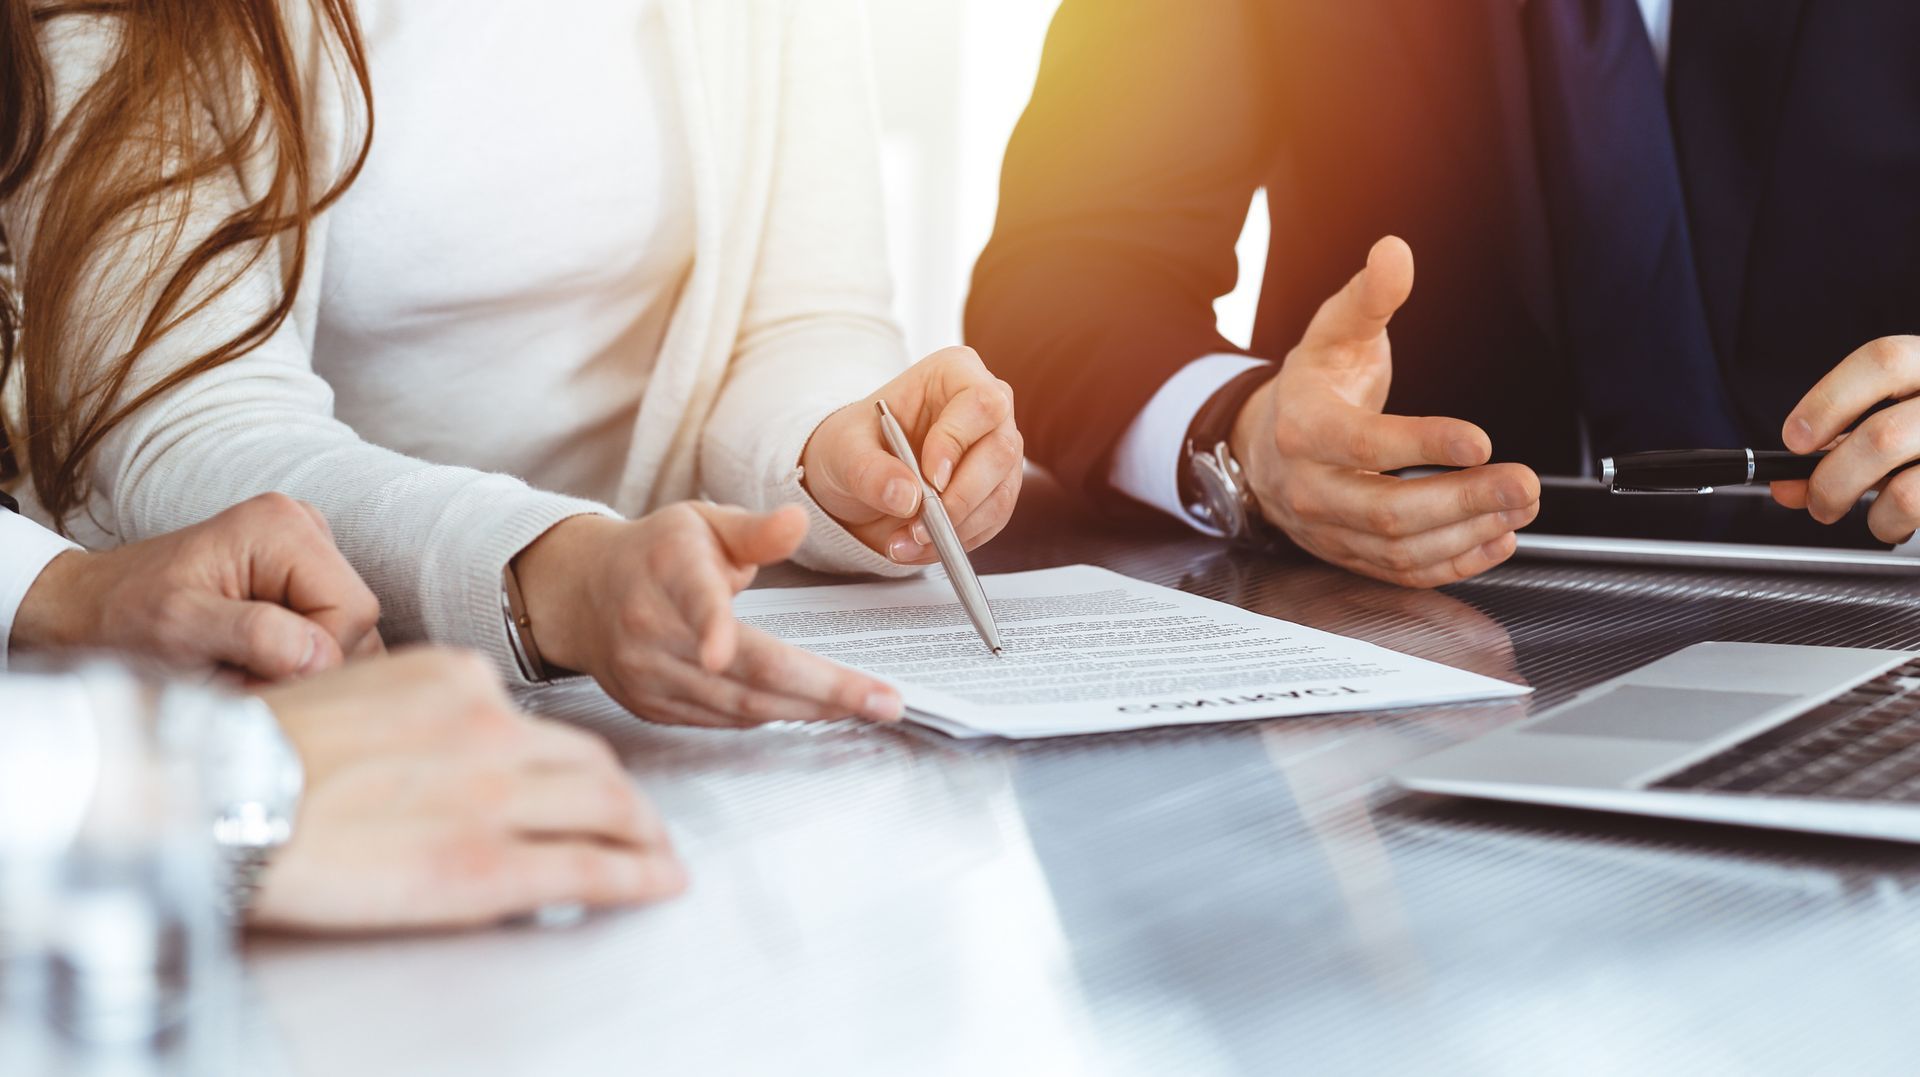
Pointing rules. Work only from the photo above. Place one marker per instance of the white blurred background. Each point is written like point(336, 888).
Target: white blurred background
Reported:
point(954, 76)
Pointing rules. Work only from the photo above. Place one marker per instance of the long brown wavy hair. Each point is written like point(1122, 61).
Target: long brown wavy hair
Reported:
point(195, 89)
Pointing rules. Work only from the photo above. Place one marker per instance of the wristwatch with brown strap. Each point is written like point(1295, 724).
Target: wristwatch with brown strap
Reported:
point(1212, 486)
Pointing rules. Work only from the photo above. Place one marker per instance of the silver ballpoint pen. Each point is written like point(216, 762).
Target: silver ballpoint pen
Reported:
point(946, 540)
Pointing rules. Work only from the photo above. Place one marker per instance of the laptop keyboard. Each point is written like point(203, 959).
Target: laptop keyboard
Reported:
point(1863, 745)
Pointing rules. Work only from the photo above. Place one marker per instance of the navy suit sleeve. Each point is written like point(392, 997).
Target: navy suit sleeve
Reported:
point(1125, 187)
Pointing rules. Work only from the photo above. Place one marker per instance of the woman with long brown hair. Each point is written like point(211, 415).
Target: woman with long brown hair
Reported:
point(626, 250)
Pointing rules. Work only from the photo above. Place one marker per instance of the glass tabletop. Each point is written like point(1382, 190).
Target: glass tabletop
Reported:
point(1232, 899)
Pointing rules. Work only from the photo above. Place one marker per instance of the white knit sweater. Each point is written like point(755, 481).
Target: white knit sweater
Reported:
point(784, 318)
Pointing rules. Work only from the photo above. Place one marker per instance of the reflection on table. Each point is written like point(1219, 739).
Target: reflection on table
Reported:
point(1213, 900)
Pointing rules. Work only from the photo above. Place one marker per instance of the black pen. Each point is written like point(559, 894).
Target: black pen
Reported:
point(1701, 471)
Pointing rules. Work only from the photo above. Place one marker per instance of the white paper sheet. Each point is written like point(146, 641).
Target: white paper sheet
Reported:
point(1090, 651)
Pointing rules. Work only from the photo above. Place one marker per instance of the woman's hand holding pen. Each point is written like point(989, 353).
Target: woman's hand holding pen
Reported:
point(1887, 369)
point(646, 608)
point(961, 416)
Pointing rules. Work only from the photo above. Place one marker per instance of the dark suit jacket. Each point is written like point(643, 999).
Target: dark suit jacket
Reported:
point(1153, 123)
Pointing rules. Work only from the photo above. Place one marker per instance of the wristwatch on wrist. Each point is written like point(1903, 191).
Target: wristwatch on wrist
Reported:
point(250, 774)
point(1212, 485)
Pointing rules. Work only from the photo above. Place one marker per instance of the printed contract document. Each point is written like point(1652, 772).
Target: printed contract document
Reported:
point(1090, 651)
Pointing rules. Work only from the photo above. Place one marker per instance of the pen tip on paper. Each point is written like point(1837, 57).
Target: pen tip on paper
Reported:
point(997, 653)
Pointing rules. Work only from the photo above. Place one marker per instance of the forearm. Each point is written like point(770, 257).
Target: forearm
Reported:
point(751, 449)
point(817, 333)
point(1084, 358)
point(429, 540)
point(1125, 186)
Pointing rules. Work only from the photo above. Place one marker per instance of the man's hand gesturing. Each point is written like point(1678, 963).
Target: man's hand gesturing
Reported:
point(1314, 443)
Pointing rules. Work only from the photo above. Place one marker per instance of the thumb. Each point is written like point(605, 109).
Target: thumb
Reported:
point(270, 642)
point(752, 538)
point(1359, 313)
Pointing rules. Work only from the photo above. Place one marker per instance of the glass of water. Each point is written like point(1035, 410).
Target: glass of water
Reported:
point(114, 957)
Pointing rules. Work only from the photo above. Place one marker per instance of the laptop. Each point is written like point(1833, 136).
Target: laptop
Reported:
point(1819, 739)
point(1741, 527)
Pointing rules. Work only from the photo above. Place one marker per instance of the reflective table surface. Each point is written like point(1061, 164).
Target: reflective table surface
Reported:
point(1235, 899)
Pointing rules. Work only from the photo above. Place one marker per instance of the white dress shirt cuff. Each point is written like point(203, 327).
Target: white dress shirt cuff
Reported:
point(25, 549)
point(1146, 464)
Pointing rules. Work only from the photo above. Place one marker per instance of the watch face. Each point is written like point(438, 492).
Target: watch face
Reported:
point(250, 773)
point(1220, 502)
point(251, 825)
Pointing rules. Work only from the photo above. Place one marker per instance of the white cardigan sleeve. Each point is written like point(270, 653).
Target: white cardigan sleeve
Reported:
point(26, 548)
point(818, 332)
point(431, 541)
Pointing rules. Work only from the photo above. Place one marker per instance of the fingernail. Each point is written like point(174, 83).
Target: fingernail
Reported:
point(1513, 518)
point(1799, 432)
point(1495, 550)
point(941, 474)
point(1463, 452)
point(1512, 497)
point(899, 497)
point(920, 535)
point(882, 707)
point(904, 550)
point(312, 658)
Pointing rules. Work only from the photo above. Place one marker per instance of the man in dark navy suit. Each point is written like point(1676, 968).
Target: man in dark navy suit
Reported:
point(1640, 223)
